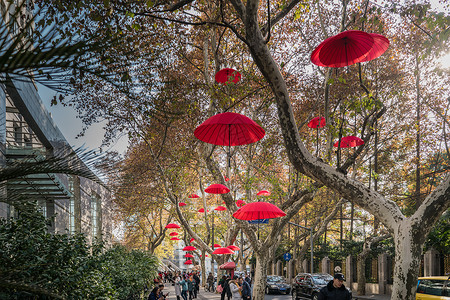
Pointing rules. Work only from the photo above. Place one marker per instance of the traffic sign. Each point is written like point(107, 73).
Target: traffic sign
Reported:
point(287, 256)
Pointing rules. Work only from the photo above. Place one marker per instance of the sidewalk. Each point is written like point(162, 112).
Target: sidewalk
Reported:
point(372, 297)
point(202, 295)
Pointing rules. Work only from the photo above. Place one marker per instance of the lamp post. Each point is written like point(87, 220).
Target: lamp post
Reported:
point(312, 243)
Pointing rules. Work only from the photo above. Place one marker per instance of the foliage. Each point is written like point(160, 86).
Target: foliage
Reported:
point(34, 262)
point(439, 237)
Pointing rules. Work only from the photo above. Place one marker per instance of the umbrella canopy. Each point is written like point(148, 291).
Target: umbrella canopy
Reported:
point(217, 188)
point(240, 203)
point(206, 255)
point(317, 122)
point(202, 210)
point(174, 239)
point(188, 255)
point(226, 178)
point(220, 208)
point(258, 210)
point(173, 233)
point(191, 240)
point(228, 266)
point(193, 196)
point(188, 262)
point(233, 247)
point(263, 193)
point(349, 142)
point(227, 75)
point(182, 204)
point(344, 49)
point(172, 225)
point(189, 248)
point(217, 246)
point(229, 129)
point(223, 250)
point(380, 45)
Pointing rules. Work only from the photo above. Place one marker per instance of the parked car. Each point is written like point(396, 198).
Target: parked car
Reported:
point(307, 286)
point(433, 287)
point(277, 284)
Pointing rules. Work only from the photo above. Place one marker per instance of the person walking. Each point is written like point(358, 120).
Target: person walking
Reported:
point(197, 283)
point(235, 288)
point(177, 286)
point(246, 290)
point(184, 288)
point(210, 282)
point(335, 289)
point(191, 286)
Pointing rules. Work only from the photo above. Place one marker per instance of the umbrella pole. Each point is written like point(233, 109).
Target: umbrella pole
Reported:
point(317, 140)
point(229, 151)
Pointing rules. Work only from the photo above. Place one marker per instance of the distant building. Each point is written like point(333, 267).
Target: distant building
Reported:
point(27, 131)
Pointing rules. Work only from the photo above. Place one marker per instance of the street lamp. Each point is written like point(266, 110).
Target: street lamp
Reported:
point(312, 243)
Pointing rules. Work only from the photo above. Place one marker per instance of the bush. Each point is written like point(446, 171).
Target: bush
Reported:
point(36, 263)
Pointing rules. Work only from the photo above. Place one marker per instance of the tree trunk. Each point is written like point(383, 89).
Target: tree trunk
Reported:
point(259, 281)
point(203, 266)
point(361, 270)
point(408, 249)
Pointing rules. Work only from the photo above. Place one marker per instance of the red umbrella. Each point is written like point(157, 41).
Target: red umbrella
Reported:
point(188, 255)
point(220, 208)
point(227, 75)
point(233, 247)
point(228, 266)
point(189, 248)
point(173, 233)
point(226, 178)
point(193, 196)
point(172, 225)
point(182, 204)
point(202, 210)
point(317, 122)
point(191, 240)
point(223, 250)
point(206, 255)
point(240, 203)
point(344, 49)
point(380, 45)
point(217, 189)
point(349, 142)
point(217, 246)
point(174, 239)
point(258, 210)
point(188, 262)
point(263, 193)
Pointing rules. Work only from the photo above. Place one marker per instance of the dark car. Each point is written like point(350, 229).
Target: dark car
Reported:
point(277, 284)
point(307, 286)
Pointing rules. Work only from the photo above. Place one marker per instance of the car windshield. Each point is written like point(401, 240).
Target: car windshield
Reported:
point(322, 280)
point(275, 279)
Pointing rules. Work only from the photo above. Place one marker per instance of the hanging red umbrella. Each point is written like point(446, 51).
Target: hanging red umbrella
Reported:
point(258, 210)
point(228, 266)
point(188, 255)
point(206, 255)
point(349, 142)
point(233, 247)
point(181, 204)
point(202, 210)
point(217, 188)
point(263, 193)
point(173, 233)
point(174, 239)
point(220, 208)
point(223, 250)
point(191, 240)
point(226, 178)
point(344, 49)
point(188, 262)
point(380, 45)
point(172, 225)
point(227, 75)
point(189, 248)
point(240, 203)
point(317, 122)
point(217, 246)
point(193, 196)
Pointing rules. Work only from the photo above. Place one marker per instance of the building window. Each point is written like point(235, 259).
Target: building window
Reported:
point(71, 207)
point(96, 216)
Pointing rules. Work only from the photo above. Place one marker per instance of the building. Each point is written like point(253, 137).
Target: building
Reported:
point(27, 132)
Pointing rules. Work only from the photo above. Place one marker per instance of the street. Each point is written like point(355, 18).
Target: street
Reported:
point(277, 297)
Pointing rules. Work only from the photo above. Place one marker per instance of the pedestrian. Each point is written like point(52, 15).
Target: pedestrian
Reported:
point(191, 287)
point(335, 289)
point(210, 282)
point(248, 279)
point(224, 287)
point(184, 288)
point(157, 293)
point(235, 288)
point(197, 284)
point(177, 286)
point(246, 290)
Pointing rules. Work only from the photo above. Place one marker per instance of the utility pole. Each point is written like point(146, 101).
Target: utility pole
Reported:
point(312, 243)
